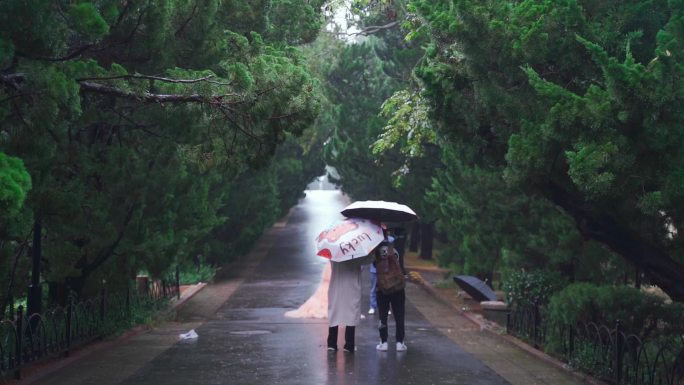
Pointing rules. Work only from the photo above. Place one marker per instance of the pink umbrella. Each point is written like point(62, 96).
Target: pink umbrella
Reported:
point(350, 239)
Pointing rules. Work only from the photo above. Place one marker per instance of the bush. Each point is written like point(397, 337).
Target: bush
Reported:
point(525, 288)
point(591, 358)
point(640, 313)
point(196, 273)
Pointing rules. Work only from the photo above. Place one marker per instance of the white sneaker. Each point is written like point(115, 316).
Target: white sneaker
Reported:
point(389, 312)
point(371, 310)
point(401, 347)
point(382, 346)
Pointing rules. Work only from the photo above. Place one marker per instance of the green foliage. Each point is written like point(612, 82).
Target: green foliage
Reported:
point(357, 86)
point(248, 218)
point(494, 226)
point(15, 183)
point(87, 20)
point(148, 130)
point(6, 52)
point(586, 165)
point(380, 146)
point(242, 76)
point(295, 21)
point(589, 358)
point(15, 221)
point(191, 274)
point(295, 166)
point(409, 125)
point(640, 313)
point(530, 288)
point(559, 104)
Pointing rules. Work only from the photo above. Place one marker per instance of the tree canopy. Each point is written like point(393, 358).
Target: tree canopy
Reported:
point(557, 125)
point(578, 102)
point(140, 125)
point(532, 134)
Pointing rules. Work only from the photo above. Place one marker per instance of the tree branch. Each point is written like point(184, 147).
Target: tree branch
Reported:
point(145, 97)
point(12, 97)
point(371, 29)
point(153, 98)
point(127, 6)
point(655, 260)
point(106, 253)
point(70, 56)
point(278, 117)
point(159, 78)
point(12, 80)
point(228, 116)
point(187, 21)
point(139, 126)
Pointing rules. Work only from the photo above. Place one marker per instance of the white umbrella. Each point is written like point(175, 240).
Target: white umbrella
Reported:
point(380, 211)
point(350, 239)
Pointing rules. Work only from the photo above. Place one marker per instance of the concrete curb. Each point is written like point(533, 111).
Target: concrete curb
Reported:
point(538, 354)
point(191, 293)
point(35, 372)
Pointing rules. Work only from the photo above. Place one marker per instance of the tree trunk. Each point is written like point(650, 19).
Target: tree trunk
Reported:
point(57, 293)
point(654, 261)
point(87, 268)
point(415, 237)
point(9, 299)
point(76, 285)
point(426, 235)
point(34, 297)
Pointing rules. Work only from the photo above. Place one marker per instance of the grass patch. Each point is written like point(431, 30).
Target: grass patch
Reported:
point(194, 274)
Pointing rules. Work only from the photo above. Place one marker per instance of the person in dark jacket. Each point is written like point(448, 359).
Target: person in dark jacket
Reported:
point(396, 299)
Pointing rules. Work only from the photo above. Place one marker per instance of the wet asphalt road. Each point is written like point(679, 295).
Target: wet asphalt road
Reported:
point(249, 341)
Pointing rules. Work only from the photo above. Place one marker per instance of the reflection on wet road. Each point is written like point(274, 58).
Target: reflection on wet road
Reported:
point(250, 341)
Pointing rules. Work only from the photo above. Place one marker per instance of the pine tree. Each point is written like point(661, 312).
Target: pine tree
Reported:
point(576, 101)
point(138, 123)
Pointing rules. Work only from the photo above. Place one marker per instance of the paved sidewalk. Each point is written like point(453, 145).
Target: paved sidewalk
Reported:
point(117, 353)
point(511, 362)
point(510, 357)
point(244, 337)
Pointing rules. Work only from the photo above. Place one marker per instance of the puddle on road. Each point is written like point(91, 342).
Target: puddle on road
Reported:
point(250, 332)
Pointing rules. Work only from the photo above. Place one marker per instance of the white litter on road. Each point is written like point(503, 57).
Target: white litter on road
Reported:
point(191, 335)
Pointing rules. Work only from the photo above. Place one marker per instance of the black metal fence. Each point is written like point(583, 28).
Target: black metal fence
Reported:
point(27, 338)
point(606, 352)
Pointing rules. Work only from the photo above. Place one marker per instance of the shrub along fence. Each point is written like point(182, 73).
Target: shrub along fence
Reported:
point(28, 338)
point(606, 352)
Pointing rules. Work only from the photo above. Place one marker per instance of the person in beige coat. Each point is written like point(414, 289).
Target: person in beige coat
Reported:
point(344, 300)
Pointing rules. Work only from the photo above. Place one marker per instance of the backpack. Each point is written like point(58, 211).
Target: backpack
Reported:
point(390, 277)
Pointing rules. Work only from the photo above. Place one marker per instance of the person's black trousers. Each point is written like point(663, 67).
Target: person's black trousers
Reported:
point(398, 302)
point(349, 332)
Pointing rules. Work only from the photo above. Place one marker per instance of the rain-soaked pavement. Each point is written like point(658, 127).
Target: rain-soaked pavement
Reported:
point(250, 341)
point(245, 338)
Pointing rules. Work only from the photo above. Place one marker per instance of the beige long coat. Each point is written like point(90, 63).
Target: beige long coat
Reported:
point(344, 293)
